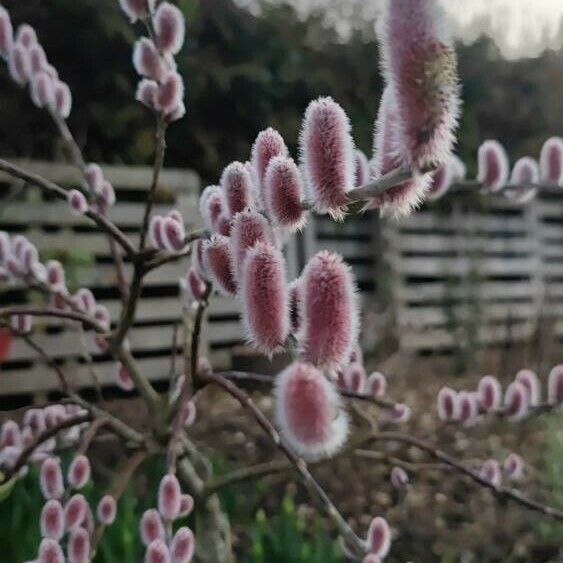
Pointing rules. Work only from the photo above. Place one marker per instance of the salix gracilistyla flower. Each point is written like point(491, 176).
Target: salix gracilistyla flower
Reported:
point(268, 144)
point(376, 384)
point(355, 377)
point(379, 537)
point(361, 168)
point(170, 93)
point(330, 311)
point(50, 552)
point(327, 156)
point(78, 549)
point(447, 404)
point(309, 412)
point(400, 413)
point(263, 291)
point(6, 33)
point(530, 381)
point(182, 546)
point(237, 186)
point(51, 478)
point(468, 407)
point(21, 323)
point(525, 171)
point(211, 206)
point(169, 27)
point(85, 301)
point(489, 391)
point(147, 60)
point(173, 234)
point(283, 189)
point(151, 526)
point(79, 472)
point(37, 58)
point(26, 36)
point(516, 401)
point(34, 419)
point(123, 378)
point(106, 510)
point(157, 552)
point(555, 386)
point(106, 196)
point(371, 558)
point(493, 165)
point(147, 91)
point(442, 179)
point(101, 314)
point(551, 161)
point(156, 235)
point(77, 202)
point(75, 511)
point(19, 64)
point(94, 177)
point(420, 65)
point(137, 9)
point(217, 258)
point(169, 495)
point(404, 198)
point(186, 505)
point(399, 478)
point(490, 472)
point(10, 436)
point(42, 90)
point(63, 99)
point(513, 466)
point(52, 520)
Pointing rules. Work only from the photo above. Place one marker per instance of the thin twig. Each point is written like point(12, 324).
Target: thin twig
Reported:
point(7, 312)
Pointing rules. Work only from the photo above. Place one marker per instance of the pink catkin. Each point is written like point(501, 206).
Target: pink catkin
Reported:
point(147, 61)
point(420, 65)
point(157, 552)
point(79, 546)
point(136, 9)
point(265, 299)
point(42, 90)
point(236, 184)
point(63, 99)
point(327, 156)
point(531, 383)
point(77, 202)
point(555, 386)
point(468, 407)
point(106, 195)
point(268, 144)
point(493, 165)
point(376, 384)
point(186, 505)
point(442, 179)
point(169, 495)
point(399, 478)
point(309, 412)
point(147, 92)
point(525, 171)
point(361, 168)
point(448, 404)
point(6, 33)
point(379, 537)
point(170, 93)
point(217, 259)
point(169, 27)
point(173, 234)
point(19, 64)
point(151, 526)
point(211, 206)
point(79, 472)
point(101, 314)
point(52, 520)
point(516, 401)
point(10, 435)
point(107, 509)
point(551, 161)
point(283, 190)
point(123, 378)
point(156, 234)
point(355, 378)
point(94, 177)
point(75, 511)
point(513, 466)
point(196, 286)
point(402, 199)
point(490, 393)
point(51, 479)
point(26, 36)
point(330, 311)
point(491, 473)
point(50, 552)
point(37, 58)
point(182, 547)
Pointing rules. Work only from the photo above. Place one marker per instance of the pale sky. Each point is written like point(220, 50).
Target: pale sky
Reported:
point(521, 28)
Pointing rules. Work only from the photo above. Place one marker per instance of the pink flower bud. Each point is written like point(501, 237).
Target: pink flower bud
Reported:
point(248, 229)
point(197, 260)
point(58, 296)
point(551, 161)
point(19, 64)
point(147, 92)
point(555, 386)
point(170, 92)
point(468, 407)
point(170, 28)
point(10, 435)
point(173, 234)
point(223, 225)
point(186, 506)
point(195, 285)
point(106, 195)
point(295, 296)
point(399, 478)
point(35, 419)
point(42, 90)
point(356, 355)
point(6, 33)
point(309, 412)
point(400, 200)
point(4, 246)
point(63, 99)
point(77, 202)
point(513, 466)
point(493, 165)
point(282, 193)
point(21, 323)
point(442, 179)
point(157, 552)
point(75, 511)
point(79, 546)
point(14, 266)
point(448, 404)
point(123, 378)
point(85, 301)
point(101, 314)
point(50, 552)
point(54, 414)
point(330, 311)
point(51, 478)
point(361, 168)
point(268, 144)
point(376, 385)
point(94, 177)
point(29, 257)
point(490, 393)
point(26, 36)
point(188, 413)
point(531, 383)
point(236, 183)
point(107, 509)
point(151, 526)
point(265, 299)
point(136, 9)
point(55, 272)
point(327, 153)
point(169, 494)
point(156, 234)
point(52, 520)
point(217, 259)
point(147, 61)
point(400, 413)
point(525, 171)
point(183, 545)
point(491, 472)
point(420, 65)
point(176, 113)
point(516, 401)
point(371, 558)
point(79, 472)
point(37, 58)
point(379, 537)
point(355, 378)
point(211, 206)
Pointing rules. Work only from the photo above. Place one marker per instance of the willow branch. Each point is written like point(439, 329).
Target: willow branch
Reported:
point(7, 312)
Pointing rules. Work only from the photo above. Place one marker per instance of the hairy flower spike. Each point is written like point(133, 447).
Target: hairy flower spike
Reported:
point(183, 546)
point(236, 183)
point(42, 90)
point(265, 301)
point(22, 324)
point(555, 386)
point(94, 177)
point(51, 479)
point(211, 206)
point(217, 259)
point(147, 61)
point(169, 495)
point(379, 537)
point(147, 92)
point(442, 179)
point(376, 385)
point(6, 33)
point(79, 472)
point(516, 401)
point(157, 552)
point(107, 509)
point(26, 36)
point(513, 466)
point(173, 234)
point(309, 412)
point(79, 546)
point(170, 28)
point(493, 165)
point(52, 520)
point(137, 9)
point(361, 168)
point(399, 478)
point(490, 393)
point(186, 506)
point(330, 311)
point(10, 435)
point(525, 171)
point(63, 99)
point(170, 93)
point(327, 154)
point(19, 64)
point(195, 284)
point(268, 144)
point(50, 552)
point(151, 526)
point(106, 195)
point(448, 404)
point(468, 407)
point(491, 472)
point(77, 202)
point(355, 378)
point(531, 383)
point(75, 511)
point(551, 161)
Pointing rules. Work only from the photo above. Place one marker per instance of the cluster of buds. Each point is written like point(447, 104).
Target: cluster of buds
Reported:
point(168, 232)
point(19, 260)
point(101, 191)
point(161, 88)
point(67, 517)
point(162, 546)
point(512, 468)
point(28, 64)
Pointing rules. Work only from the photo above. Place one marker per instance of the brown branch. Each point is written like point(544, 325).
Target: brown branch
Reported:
point(7, 312)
